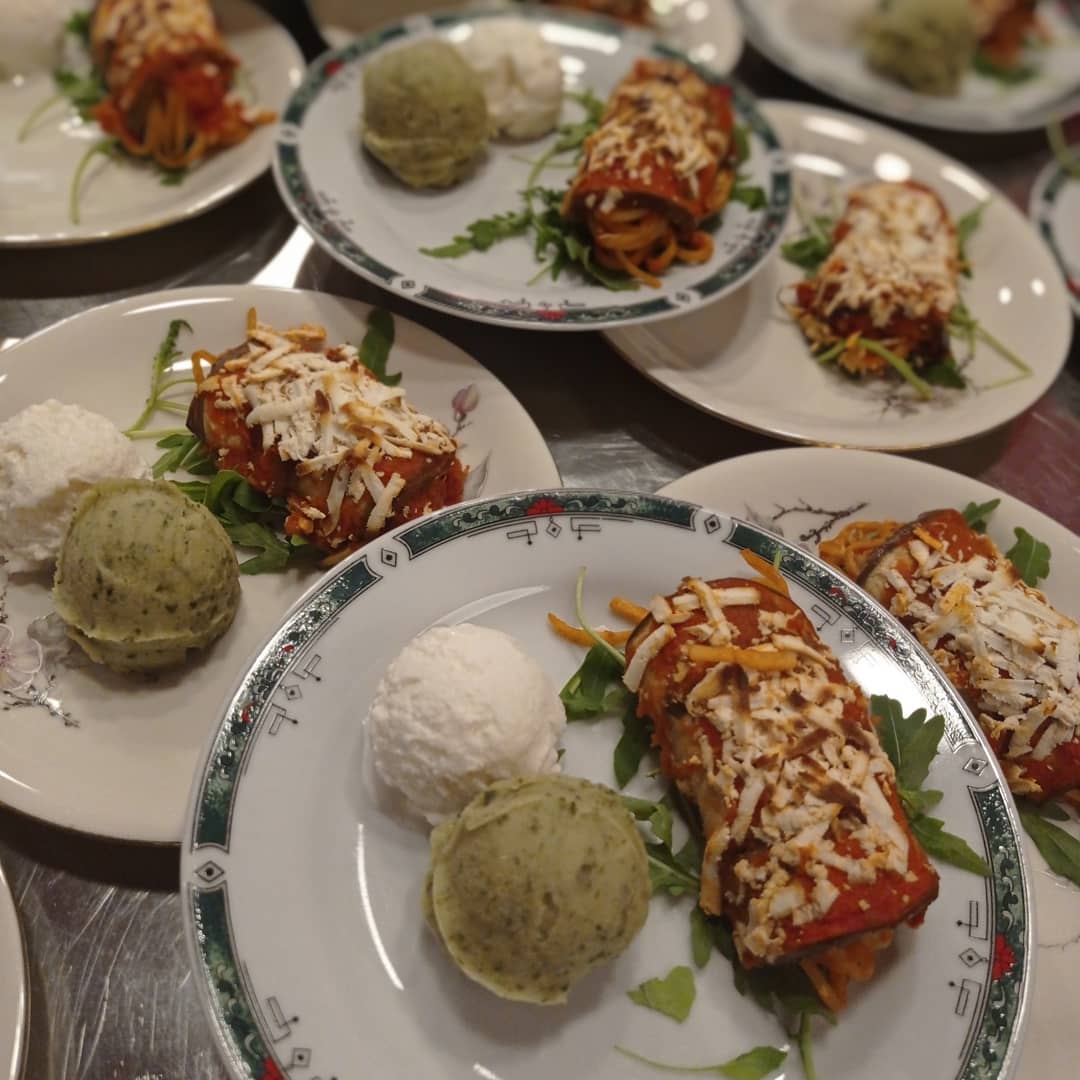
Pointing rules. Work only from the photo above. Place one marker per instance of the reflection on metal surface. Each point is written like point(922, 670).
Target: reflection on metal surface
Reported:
point(369, 914)
point(284, 268)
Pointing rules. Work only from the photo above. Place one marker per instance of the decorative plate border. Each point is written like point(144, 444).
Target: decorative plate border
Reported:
point(305, 205)
point(993, 1005)
point(1049, 185)
point(980, 120)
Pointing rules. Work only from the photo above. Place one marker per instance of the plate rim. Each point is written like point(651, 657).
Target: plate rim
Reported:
point(295, 191)
point(21, 1040)
point(200, 939)
point(759, 37)
point(229, 187)
point(881, 130)
point(60, 816)
point(1048, 185)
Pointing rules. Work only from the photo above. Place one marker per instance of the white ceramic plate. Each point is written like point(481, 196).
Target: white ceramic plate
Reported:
point(375, 225)
point(13, 991)
point(123, 197)
point(302, 887)
point(1055, 209)
point(814, 40)
point(745, 360)
point(708, 32)
point(126, 769)
point(810, 493)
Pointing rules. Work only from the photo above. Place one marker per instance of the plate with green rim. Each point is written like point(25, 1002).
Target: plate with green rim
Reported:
point(301, 883)
point(376, 226)
point(1054, 207)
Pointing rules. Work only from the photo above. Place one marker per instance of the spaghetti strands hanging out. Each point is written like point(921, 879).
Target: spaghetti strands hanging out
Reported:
point(662, 161)
point(169, 76)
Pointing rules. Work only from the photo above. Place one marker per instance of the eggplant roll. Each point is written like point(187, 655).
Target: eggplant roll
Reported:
point(311, 424)
point(807, 846)
point(1010, 653)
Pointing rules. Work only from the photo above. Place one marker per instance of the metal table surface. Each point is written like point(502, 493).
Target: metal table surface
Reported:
point(110, 985)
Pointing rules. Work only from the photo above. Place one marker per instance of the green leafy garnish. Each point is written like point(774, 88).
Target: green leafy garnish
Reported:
point(672, 995)
point(741, 138)
point(250, 518)
point(911, 744)
point(596, 687)
point(1060, 849)
point(481, 234)
point(755, 1064)
point(108, 147)
point(78, 25)
point(166, 355)
point(978, 514)
point(750, 195)
point(900, 365)
point(966, 225)
point(965, 325)
point(701, 937)
point(671, 872)
point(944, 373)
point(1031, 557)
point(172, 177)
point(984, 65)
point(376, 346)
point(809, 250)
point(633, 744)
point(83, 91)
point(184, 452)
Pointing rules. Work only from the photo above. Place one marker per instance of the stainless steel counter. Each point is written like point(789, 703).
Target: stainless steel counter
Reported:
point(111, 990)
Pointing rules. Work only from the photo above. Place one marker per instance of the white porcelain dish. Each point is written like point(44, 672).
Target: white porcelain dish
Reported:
point(745, 360)
point(302, 885)
point(125, 770)
point(14, 994)
point(810, 493)
point(375, 225)
point(121, 197)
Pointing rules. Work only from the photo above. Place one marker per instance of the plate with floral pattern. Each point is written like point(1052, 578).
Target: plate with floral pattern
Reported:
point(114, 755)
point(746, 360)
point(301, 881)
point(375, 226)
point(808, 494)
point(1055, 209)
point(14, 996)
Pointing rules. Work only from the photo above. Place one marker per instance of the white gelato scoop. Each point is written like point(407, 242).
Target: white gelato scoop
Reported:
point(521, 75)
point(458, 708)
point(49, 455)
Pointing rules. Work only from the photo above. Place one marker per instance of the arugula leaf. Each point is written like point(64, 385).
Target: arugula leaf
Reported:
point(813, 247)
point(966, 225)
point(983, 64)
point(672, 995)
point(167, 354)
point(1031, 557)
point(273, 554)
point(669, 872)
point(947, 847)
point(481, 234)
point(1059, 848)
point(750, 195)
point(172, 177)
point(944, 373)
point(978, 514)
point(78, 25)
point(83, 91)
point(183, 453)
point(1050, 809)
point(755, 1064)
point(375, 348)
point(596, 687)
point(633, 744)
point(911, 743)
point(701, 939)
point(741, 137)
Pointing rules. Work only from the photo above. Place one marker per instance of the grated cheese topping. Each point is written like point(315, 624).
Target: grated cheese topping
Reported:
point(897, 255)
point(324, 410)
point(798, 788)
point(1021, 656)
point(657, 115)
